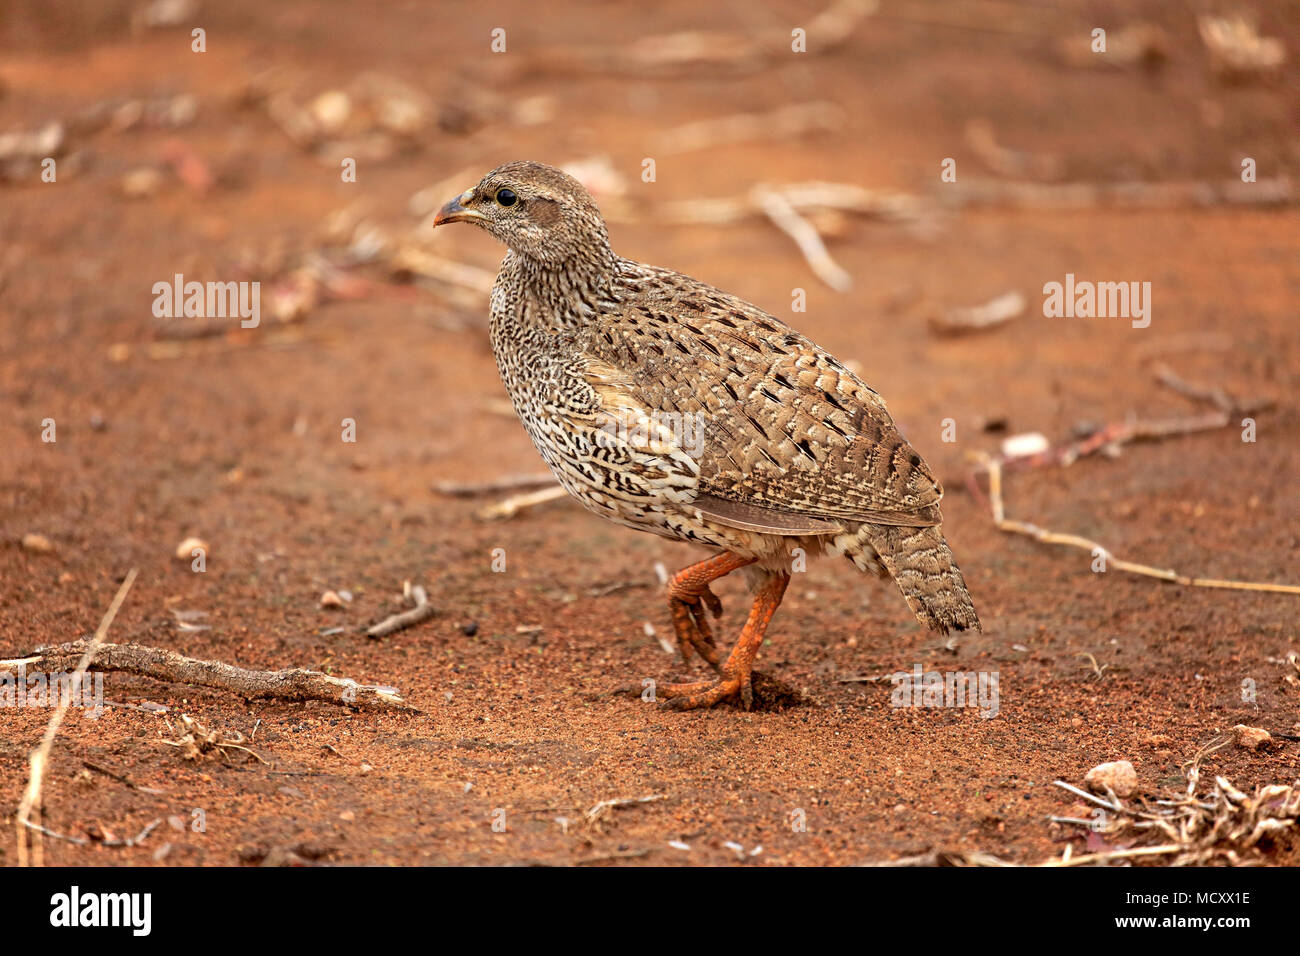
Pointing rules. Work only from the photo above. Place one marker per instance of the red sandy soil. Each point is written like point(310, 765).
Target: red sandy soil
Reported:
point(204, 443)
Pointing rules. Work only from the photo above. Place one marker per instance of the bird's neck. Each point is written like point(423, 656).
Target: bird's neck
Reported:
point(570, 292)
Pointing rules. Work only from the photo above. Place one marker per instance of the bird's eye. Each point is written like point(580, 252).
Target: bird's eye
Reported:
point(506, 196)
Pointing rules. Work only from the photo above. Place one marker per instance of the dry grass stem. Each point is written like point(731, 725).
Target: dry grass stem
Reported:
point(31, 801)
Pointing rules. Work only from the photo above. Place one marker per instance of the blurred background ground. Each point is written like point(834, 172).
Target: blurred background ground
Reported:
point(225, 165)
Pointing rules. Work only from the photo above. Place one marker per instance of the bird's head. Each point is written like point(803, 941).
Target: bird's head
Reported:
point(538, 211)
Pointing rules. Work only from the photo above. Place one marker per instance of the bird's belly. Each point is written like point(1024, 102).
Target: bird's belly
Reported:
point(634, 488)
point(634, 477)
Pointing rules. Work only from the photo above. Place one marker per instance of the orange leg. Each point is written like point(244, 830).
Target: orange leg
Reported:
point(688, 594)
point(736, 673)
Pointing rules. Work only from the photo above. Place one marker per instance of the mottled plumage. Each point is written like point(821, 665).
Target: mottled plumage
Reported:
point(669, 406)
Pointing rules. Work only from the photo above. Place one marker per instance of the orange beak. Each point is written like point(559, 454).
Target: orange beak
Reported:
point(455, 211)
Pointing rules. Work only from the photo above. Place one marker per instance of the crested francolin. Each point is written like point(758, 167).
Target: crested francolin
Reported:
point(669, 406)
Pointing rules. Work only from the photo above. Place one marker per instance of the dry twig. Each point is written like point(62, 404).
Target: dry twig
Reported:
point(993, 468)
point(787, 122)
point(417, 261)
point(517, 503)
point(1005, 161)
point(806, 197)
point(1124, 195)
point(469, 489)
point(422, 611)
point(1215, 395)
point(691, 51)
point(615, 855)
point(943, 858)
point(604, 806)
point(119, 777)
point(977, 318)
point(291, 684)
point(81, 841)
point(785, 217)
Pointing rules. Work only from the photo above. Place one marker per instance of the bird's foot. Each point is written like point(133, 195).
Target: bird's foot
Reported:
point(691, 623)
point(766, 693)
point(706, 693)
point(688, 598)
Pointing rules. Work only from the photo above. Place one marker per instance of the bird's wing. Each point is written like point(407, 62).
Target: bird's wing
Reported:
point(779, 424)
point(663, 450)
point(752, 517)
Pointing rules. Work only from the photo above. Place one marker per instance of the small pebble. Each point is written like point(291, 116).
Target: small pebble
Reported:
point(37, 544)
point(1118, 776)
point(1030, 443)
point(185, 550)
point(1251, 738)
point(141, 183)
point(331, 110)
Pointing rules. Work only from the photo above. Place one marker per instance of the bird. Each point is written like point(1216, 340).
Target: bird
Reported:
point(669, 406)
